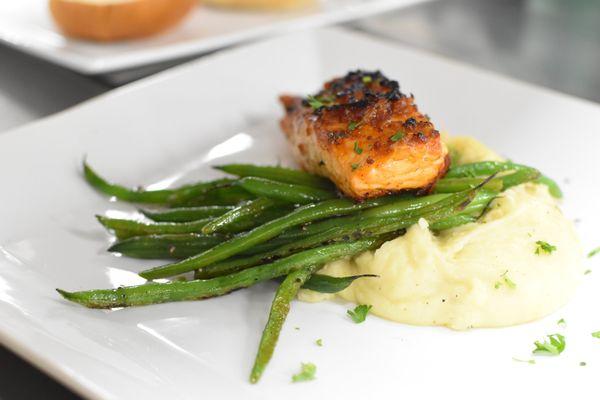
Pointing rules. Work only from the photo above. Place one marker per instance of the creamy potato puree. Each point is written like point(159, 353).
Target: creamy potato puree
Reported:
point(483, 274)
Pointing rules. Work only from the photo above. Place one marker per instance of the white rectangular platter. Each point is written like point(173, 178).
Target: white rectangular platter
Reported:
point(169, 129)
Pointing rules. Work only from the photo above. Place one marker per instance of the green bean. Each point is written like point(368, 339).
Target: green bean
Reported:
point(186, 214)
point(348, 228)
point(125, 228)
point(279, 310)
point(295, 194)
point(470, 214)
point(154, 293)
point(490, 167)
point(252, 209)
point(402, 207)
point(483, 168)
point(279, 174)
point(453, 222)
point(261, 234)
point(553, 187)
point(139, 195)
point(173, 246)
point(450, 185)
point(220, 196)
point(354, 231)
point(518, 177)
point(396, 206)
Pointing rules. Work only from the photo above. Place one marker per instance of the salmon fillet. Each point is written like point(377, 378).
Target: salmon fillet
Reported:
point(366, 136)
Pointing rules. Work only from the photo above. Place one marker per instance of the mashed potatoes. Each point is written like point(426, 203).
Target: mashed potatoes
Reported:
point(483, 274)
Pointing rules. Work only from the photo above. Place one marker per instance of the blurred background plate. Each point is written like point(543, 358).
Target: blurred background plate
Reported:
point(28, 26)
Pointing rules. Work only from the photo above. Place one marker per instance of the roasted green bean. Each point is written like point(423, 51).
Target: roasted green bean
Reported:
point(279, 310)
point(348, 228)
point(261, 234)
point(125, 228)
point(285, 192)
point(220, 196)
point(250, 210)
point(451, 185)
point(173, 246)
point(279, 174)
point(154, 293)
point(186, 214)
point(486, 168)
point(139, 195)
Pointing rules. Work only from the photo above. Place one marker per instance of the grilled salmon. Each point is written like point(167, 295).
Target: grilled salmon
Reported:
point(365, 135)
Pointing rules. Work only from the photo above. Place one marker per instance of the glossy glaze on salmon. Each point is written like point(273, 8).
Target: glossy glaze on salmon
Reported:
point(366, 136)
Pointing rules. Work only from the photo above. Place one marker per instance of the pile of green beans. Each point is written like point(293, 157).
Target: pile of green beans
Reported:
point(270, 222)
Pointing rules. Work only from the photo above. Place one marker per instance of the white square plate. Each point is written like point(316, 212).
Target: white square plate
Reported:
point(171, 128)
point(28, 26)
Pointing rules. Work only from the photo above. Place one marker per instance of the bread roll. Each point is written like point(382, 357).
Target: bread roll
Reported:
point(107, 20)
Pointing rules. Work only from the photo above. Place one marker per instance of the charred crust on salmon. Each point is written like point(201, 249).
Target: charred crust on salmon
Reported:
point(400, 149)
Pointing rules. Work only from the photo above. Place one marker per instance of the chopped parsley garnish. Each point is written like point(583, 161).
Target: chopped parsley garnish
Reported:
point(594, 252)
point(587, 272)
point(552, 347)
point(319, 342)
point(367, 79)
point(353, 125)
point(318, 102)
point(582, 364)
point(397, 136)
point(544, 247)
point(359, 314)
point(532, 361)
point(357, 148)
point(561, 322)
point(507, 281)
point(596, 334)
point(354, 166)
point(307, 373)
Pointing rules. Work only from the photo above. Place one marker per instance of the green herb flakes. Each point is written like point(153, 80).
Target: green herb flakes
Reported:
point(596, 334)
point(357, 148)
point(354, 166)
point(319, 342)
point(353, 125)
point(594, 252)
point(317, 102)
point(506, 281)
point(544, 247)
point(359, 314)
point(307, 373)
point(397, 136)
point(552, 347)
point(561, 322)
point(509, 282)
point(367, 79)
